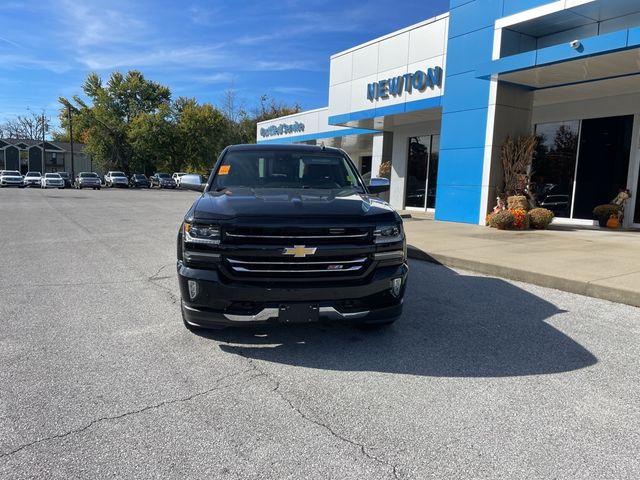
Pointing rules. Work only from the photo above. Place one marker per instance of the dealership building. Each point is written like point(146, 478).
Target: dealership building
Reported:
point(437, 99)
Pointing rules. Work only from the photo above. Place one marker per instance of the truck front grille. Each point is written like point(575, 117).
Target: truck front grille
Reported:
point(333, 266)
point(287, 235)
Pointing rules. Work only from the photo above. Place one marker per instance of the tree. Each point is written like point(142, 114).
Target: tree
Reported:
point(25, 127)
point(242, 126)
point(105, 122)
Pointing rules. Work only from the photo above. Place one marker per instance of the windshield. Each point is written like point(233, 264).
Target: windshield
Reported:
point(140, 177)
point(118, 174)
point(88, 175)
point(286, 169)
point(51, 175)
point(63, 174)
point(33, 174)
point(11, 173)
point(164, 175)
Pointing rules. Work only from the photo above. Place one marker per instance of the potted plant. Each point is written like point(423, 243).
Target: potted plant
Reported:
point(540, 218)
point(603, 212)
point(520, 218)
point(502, 220)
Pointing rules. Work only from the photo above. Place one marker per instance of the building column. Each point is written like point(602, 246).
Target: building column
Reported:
point(381, 152)
point(509, 115)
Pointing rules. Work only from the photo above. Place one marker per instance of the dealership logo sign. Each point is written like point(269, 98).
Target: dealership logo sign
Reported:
point(282, 129)
point(408, 82)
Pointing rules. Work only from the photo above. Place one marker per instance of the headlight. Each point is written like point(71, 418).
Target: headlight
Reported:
point(387, 233)
point(209, 234)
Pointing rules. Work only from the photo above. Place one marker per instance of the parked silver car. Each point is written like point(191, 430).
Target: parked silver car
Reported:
point(32, 179)
point(52, 180)
point(11, 178)
point(87, 180)
point(116, 179)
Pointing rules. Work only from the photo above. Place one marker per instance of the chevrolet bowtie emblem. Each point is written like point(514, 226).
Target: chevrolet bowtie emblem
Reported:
point(299, 251)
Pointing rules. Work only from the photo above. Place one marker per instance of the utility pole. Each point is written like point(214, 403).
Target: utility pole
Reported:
point(43, 145)
point(73, 175)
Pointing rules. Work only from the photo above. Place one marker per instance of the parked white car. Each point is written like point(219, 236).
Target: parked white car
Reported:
point(11, 178)
point(32, 179)
point(52, 180)
point(177, 176)
point(116, 179)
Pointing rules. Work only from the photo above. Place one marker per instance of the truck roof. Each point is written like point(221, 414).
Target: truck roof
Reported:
point(282, 147)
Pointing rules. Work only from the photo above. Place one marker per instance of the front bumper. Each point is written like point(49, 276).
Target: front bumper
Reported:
point(11, 183)
point(221, 302)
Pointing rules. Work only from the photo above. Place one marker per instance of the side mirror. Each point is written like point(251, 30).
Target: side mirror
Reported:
point(192, 182)
point(379, 185)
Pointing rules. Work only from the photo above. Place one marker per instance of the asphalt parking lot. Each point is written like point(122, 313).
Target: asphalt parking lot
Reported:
point(481, 378)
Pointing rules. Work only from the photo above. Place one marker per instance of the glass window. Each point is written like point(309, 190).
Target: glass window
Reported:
point(285, 169)
point(422, 171)
point(432, 174)
point(417, 163)
point(554, 166)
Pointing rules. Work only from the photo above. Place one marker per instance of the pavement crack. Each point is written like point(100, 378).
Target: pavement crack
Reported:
point(147, 408)
point(155, 275)
point(153, 281)
point(360, 446)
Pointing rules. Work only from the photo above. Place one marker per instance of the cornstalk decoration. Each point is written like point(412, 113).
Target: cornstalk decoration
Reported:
point(517, 157)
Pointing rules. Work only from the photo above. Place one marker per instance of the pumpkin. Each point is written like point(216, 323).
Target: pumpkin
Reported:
point(613, 222)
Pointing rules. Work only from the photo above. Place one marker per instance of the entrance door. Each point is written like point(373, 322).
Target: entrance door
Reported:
point(422, 171)
point(603, 162)
point(636, 195)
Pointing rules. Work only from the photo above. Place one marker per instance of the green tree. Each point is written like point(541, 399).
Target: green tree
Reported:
point(201, 133)
point(104, 123)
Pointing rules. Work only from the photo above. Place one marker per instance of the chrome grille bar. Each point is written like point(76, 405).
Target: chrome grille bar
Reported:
point(238, 235)
point(275, 262)
point(248, 270)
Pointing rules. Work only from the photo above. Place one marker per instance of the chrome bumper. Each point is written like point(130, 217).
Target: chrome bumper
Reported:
point(265, 314)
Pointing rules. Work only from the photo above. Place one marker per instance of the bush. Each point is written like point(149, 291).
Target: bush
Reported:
point(502, 220)
point(606, 210)
point(540, 218)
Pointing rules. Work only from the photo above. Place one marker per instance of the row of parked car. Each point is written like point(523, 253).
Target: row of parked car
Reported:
point(13, 178)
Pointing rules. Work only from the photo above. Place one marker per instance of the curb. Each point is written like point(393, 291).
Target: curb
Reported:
point(588, 289)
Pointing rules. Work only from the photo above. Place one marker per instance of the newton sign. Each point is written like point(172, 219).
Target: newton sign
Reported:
point(394, 86)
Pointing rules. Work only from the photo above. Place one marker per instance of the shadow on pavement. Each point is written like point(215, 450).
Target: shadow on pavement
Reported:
point(453, 326)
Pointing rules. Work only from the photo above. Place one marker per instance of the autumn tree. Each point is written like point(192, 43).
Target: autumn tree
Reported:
point(104, 123)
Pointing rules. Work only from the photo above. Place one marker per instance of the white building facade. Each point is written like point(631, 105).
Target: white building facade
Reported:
point(436, 101)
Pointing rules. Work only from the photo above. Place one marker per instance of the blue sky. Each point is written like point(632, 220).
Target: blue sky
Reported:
point(197, 48)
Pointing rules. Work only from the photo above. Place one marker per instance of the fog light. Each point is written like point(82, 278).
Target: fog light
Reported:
point(396, 286)
point(193, 289)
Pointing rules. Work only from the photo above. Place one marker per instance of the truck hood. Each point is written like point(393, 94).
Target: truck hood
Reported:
point(281, 203)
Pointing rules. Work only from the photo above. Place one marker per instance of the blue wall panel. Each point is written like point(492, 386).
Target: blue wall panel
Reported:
point(452, 197)
point(473, 16)
point(468, 129)
point(466, 51)
point(471, 95)
point(464, 110)
point(516, 6)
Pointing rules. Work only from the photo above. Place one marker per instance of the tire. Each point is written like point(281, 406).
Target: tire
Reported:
point(98, 188)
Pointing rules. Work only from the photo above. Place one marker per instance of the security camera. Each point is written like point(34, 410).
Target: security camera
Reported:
point(575, 44)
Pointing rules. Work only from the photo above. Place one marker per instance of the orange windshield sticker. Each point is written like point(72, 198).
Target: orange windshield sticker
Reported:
point(224, 169)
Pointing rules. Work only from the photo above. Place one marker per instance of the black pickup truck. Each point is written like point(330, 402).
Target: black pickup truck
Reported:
point(289, 233)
